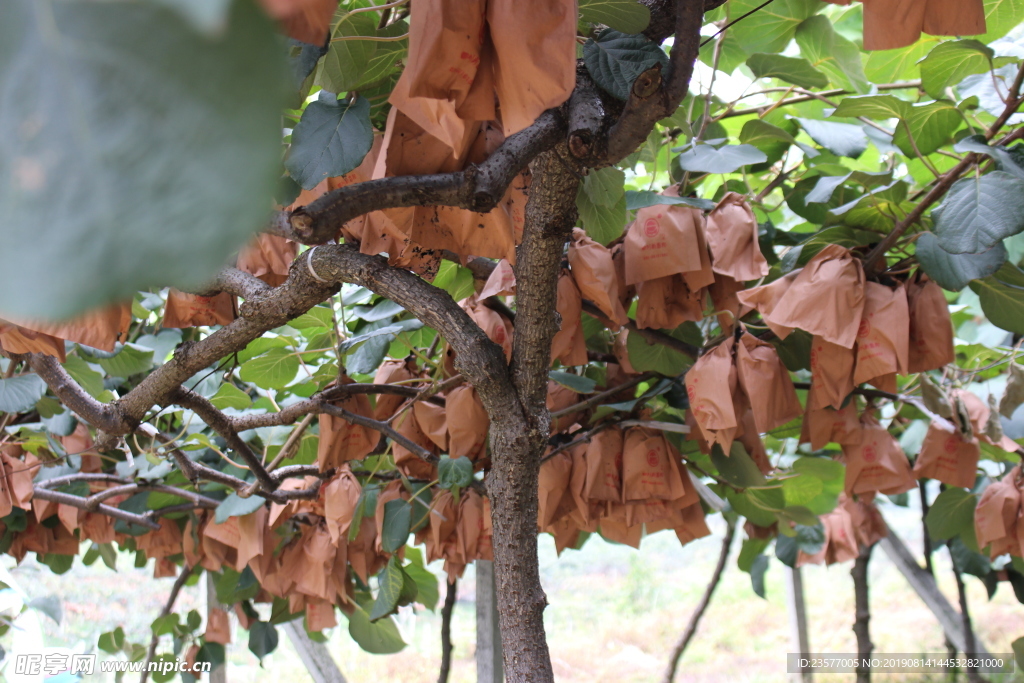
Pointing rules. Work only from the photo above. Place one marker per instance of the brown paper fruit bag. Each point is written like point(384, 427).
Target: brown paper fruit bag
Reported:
point(192, 310)
point(826, 298)
point(497, 327)
point(394, 372)
point(534, 57)
point(647, 468)
point(891, 24)
point(732, 237)
point(594, 274)
point(662, 241)
point(842, 537)
point(17, 339)
point(268, 258)
point(823, 426)
point(931, 329)
point(341, 440)
point(218, 628)
point(883, 338)
point(552, 487)
point(467, 434)
point(407, 462)
point(604, 467)
point(996, 517)
point(724, 293)
point(710, 384)
point(766, 298)
point(766, 382)
point(99, 328)
point(501, 281)
point(947, 456)
point(667, 302)
point(569, 345)
point(831, 374)
point(877, 464)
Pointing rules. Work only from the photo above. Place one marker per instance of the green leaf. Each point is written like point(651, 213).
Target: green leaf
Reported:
point(212, 653)
point(346, 60)
point(615, 59)
point(705, 158)
point(795, 70)
point(397, 518)
point(1000, 17)
point(771, 140)
point(879, 107)
point(772, 27)
point(262, 638)
point(112, 641)
point(604, 187)
point(20, 393)
point(457, 473)
point(639, 199)
point(379, 637)
point(455, 280)
point(603, 224)
point(1018, 651)
point(749, 550)
point(978, 212)
point(230, 396)
point(951, 514)
point(272, 370)
point(236, 506)
point(578, 383)
point(129, 359)
point(737, 468)
point(387, 59)
point(390, 581)
point(951, 61)
point(80, 371)
point(830, 52)
point(165, 624)
point(626, 16)
point(757, 571)
point(891, 66)
point(967, 560)
point(1002, 297)
point(49, 605)
point(165, 143)
point(801, 489)
point(1006, 159)
point(426, 584)
point(645, 357)
point(955, 271)
point(316, 317)
point(930, 125)
point(331, 139)
point(842, 139)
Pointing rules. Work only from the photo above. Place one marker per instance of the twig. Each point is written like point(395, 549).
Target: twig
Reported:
point(597, 398)
point(179, 582)
point(698, 612)
point(446, 630)
point(80, 503)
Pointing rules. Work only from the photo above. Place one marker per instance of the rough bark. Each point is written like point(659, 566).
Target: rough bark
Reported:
point(970, 649)
point(517, 444)
point(862, 609)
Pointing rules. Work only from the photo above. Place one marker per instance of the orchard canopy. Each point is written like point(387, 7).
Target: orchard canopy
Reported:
point(306, 295)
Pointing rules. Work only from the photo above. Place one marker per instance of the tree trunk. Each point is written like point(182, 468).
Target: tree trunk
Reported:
point(517, 445)
point(970, 646)
point(863, 614)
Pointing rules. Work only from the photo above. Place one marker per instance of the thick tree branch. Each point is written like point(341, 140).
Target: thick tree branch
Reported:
point(221, 423)
point(654, 95)
point(240, 283)
point(81, 504)
point(480, 187)
point(103, 416)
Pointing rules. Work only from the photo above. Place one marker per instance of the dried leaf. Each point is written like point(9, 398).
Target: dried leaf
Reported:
point(935, 399)
point(1014, 394)
point(993, 427)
